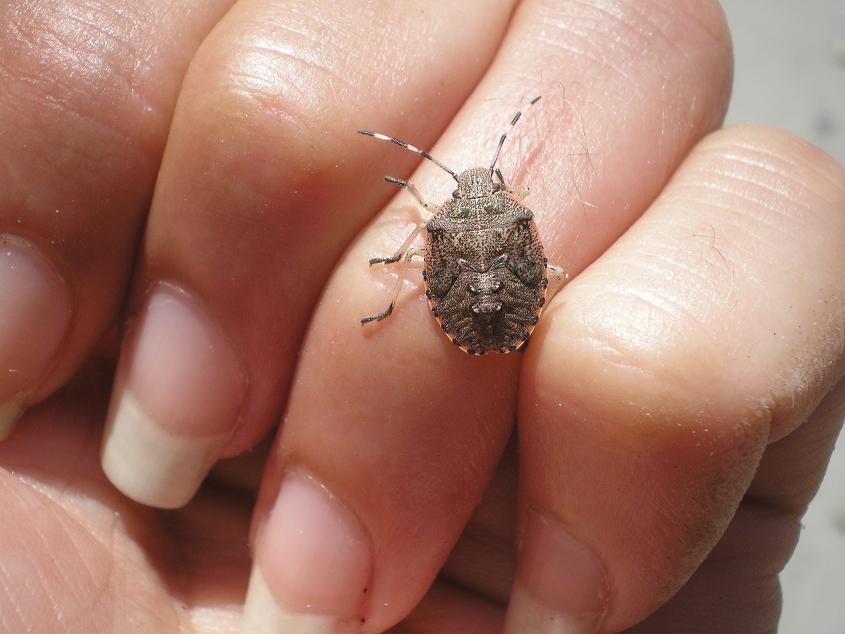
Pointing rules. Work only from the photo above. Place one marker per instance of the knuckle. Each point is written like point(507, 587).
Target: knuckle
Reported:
point(84, 63)
point(269, 78)
point(258, 99)
point(633, 355)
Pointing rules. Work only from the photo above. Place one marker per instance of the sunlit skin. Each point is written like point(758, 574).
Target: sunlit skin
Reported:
point(674, 408)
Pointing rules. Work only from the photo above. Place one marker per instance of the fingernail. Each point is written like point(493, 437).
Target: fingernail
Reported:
point(560, 587)
point(175, 403)
point(35, 312)
point(312, 564)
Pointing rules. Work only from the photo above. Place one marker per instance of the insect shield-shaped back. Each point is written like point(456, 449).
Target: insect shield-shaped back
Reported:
point(485, 272)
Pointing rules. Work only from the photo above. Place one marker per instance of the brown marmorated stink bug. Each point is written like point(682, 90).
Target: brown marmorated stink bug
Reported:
point(485, 272)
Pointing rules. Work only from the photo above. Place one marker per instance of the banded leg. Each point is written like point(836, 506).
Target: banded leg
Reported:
point(429, 207)
point(406, 259)
point(407, 243)
point(390, 259)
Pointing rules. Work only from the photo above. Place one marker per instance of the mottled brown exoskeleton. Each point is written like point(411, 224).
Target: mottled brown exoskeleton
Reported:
point(485, 272)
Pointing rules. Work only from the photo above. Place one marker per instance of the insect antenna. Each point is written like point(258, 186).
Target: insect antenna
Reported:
point(502, 138)
point(408, 146)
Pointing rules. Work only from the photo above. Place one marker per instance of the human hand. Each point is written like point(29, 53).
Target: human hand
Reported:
point(675, 395)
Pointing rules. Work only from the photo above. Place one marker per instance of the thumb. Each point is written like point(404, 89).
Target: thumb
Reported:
point(651, 390)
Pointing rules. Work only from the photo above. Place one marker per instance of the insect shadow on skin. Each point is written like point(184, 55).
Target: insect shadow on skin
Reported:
point(485, 273)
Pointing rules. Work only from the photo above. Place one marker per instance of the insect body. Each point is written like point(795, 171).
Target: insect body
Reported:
point(485, 272)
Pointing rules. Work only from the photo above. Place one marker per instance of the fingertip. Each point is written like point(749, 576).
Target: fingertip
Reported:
point(561, 584)
point(175, 403)
point(263, 614)
point(527, 615)
point(313, 562)
point(150, 465)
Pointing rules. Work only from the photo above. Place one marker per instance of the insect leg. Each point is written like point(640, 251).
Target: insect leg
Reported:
point(390, 259)
point(398, 286)
point(423, 203)
point(502, 179)
point(429, 207)
point(520, 192)
point(557, 276)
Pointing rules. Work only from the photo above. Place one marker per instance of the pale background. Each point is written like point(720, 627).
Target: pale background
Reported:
point(790, 72)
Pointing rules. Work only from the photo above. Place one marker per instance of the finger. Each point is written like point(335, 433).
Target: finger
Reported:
point(84, 111)
point(712, 327)
point(239, 245)
point(391, 429)
point(737, 589)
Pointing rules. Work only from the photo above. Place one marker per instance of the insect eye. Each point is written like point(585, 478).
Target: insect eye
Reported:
point(497, 286)
point(500, 260)
point(497, 187)
point(456, 194)
point(473, 289)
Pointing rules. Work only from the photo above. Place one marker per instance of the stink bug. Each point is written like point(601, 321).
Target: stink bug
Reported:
point(485, 272)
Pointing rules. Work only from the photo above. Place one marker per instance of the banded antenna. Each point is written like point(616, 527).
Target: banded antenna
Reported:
point(408, 146)
point(516, 118)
